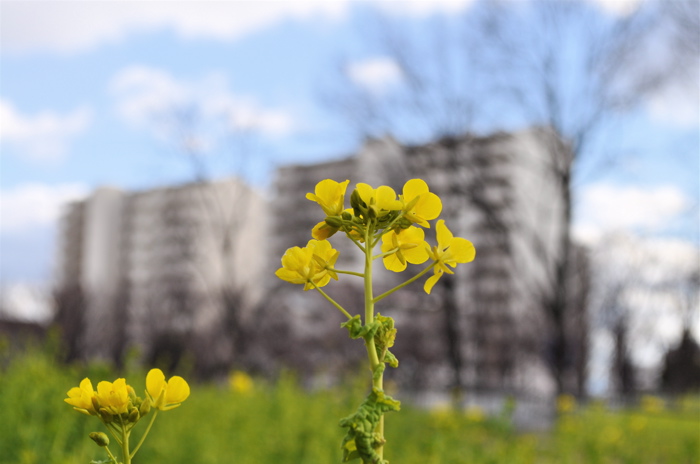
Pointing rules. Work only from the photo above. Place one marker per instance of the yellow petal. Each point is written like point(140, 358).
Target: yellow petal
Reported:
point(417, 254)
point(429, 206)
point(444, 236)
point(432, 280)
point(177, 391)
point(413, 188)
point(290, 276)
point(393, 263)
point(155, 383)
point(462, 250)
point(322, 231)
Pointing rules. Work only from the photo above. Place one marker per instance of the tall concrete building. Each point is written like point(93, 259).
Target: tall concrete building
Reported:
point(166, 270)
point(484, 328)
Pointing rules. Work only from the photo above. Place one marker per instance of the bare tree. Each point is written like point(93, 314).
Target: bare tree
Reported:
point(564, 65)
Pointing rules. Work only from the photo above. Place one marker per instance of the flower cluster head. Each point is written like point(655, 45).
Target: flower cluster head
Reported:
point(117, 401)
point(311, 265)
point(376, 215)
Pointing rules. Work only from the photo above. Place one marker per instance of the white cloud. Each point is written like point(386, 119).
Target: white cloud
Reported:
point(678, 103)
point(44, 136)
point(148, 97)
point(423, 7)
point(82, 25)
point(375, 74)
point(618, 7)
point(35, 205)
point(25, 302)
point(605, 207)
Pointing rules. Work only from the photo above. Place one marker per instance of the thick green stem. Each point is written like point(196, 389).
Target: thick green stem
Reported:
point(125, 444)
point(377, 381)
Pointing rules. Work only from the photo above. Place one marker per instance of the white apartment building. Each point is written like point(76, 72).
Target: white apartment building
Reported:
point(164, 269)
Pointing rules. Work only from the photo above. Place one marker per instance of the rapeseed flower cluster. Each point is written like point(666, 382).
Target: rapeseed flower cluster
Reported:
point(118, 407)
point(376, 214)
point(376, 217)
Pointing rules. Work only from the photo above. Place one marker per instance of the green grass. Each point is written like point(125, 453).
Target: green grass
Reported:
point(281, 423)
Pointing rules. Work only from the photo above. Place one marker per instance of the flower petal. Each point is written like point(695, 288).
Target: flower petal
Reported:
point(177, 391)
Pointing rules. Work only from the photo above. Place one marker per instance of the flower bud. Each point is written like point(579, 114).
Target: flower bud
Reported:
point(346, 216)
point(133, 415)
point(334, 221)
point(106, 416)
point(145, 407)
point(100, 438)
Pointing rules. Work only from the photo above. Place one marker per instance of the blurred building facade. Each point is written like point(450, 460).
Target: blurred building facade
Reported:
point(168, 270)
point(484, 328)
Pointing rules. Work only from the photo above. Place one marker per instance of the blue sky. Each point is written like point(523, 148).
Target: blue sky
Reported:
point(81, 82)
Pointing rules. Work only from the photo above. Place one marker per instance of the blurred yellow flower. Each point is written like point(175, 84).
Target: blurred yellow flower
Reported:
point(309, 265)
point(166, 395)
point(419, 204)
point(382, 199)
point(81, 397)
point(409, 245)
point(566, 403)
point(652, 403)
point(450, 250)
point(240, 382)
point(113, 397)
point(475, 414)
point(330, 195)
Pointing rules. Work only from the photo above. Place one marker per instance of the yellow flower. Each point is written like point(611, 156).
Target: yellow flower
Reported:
point(419, 204)
point(382, 199)
point(566, 403)
point(450, 250)
point(330, 195)
point(240, 382)
point(81, 397)
point(113, 397)
point(410, 246)
point(166, 395)
point(309, 265)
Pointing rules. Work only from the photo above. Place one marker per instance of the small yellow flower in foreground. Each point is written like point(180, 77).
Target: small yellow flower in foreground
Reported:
point(382, 199)
point(450, 250)
point(114, 397)
point(410, 246)
point(81, 397)
point(166, 395)
point(240, 382)
point(309, 265)
point(330, 195)
point(419, 204)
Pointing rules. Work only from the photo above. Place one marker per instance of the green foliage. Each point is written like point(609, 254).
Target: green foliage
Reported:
point(278, 423)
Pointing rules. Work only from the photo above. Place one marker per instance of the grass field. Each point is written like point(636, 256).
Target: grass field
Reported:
point(281, 423)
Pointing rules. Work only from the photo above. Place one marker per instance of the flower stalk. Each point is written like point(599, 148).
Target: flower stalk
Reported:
point(375, 216)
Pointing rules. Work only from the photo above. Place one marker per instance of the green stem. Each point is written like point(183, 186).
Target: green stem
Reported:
point(332, 301)
point(125, 443)
point(409, 281)
point(387, 253)
point(111, 456)
point(358, 274)
point(143, 437)
point(377, 381)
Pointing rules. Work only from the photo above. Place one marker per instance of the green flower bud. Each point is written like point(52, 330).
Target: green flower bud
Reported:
point(145, 407)
point(134, 415)
point(334, 221)
point(100, 438)
point(106, 416)
point(346, 216)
